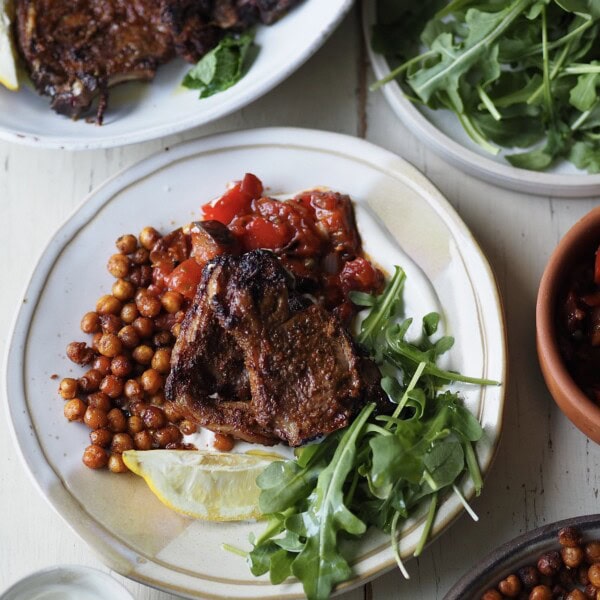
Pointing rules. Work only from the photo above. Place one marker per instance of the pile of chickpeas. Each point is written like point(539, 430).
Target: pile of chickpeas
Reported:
point(121, 395)
point(570, 573)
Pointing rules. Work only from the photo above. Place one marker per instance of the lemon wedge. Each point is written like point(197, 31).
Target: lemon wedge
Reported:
point(215, 486)
point(8, 62)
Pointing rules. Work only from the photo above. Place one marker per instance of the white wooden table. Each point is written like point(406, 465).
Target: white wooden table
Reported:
point(545, 469)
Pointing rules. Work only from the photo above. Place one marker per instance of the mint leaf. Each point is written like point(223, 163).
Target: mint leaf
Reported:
point(220, 68)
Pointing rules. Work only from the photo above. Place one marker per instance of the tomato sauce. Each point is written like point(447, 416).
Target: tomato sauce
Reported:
point(579, 326)
point(314, 234)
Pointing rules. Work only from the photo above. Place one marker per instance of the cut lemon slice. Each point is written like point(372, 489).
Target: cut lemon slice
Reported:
point(8, 62)
point(215, 486)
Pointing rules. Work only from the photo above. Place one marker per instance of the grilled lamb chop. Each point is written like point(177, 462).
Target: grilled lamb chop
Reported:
point(256, 360)
point(76, 50)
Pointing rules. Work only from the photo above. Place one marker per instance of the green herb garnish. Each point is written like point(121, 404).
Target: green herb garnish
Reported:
point(222, 67)
point(517, 73)
point(379, 470)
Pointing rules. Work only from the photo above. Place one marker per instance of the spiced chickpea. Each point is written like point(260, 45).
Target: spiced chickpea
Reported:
point(101, 437)
point(575, 595)
point(137, 406)
point(141, 276)
point(172, 412)
point(143, 440)
point(95, 457)
point(132, 388)
point(96, 340)
point(121, 365)
point(117, 421)
point(135, 424)
point(491, 595)
point(529, 576)
point(79, 353)
point(161, 361)
point(172, 301)
point(116, 464)
point(95, 418)
point(126, 244)
point(140, 256)
point(187, 427)
point(102, 364)
point(147, 304)
point(129, 337)
point(123, 290)
point(100, 400)
point(594, 574)
point(592, 552)
point(144, 327)
point(540, 592)
point(175, 330)
point(108, 305)
point(143, 354)
point(68, 388)
point(549, 563)
point(167, 435)
point(110, 323)
point(223, 442)
point(148, 237)
point(90, 381)
point(154, 417)
point(151, 381)
point(572, 556)
point(511, 586)
point(157, 399)
point(569, 537)
point(112, 386)
point(74, 409)
point(118, 265)
point(129, 313)
point(162, 338)
point(110, 345)
point(90, 322)
point(121, 442)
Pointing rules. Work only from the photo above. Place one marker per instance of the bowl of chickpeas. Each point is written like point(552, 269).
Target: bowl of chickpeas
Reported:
point(559, 561)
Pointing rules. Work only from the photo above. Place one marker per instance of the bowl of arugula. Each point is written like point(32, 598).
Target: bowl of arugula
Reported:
point(506, 91)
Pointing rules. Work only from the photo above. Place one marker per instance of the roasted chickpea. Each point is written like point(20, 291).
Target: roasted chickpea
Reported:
point(154, 417)
point(148, 237)
point(161, 361)
point(172, 412)
point(100, 400)
point(95, 418)
point(594, 575)
point(79, 353)
point(137, 407)
point(129, 313)
point(68, 388)
point(147, 304)
point(94, 457)
point(172, 301)
point(123, 290)
point(223, 442)
point(74, 409)
point(121, 365)
point(140, 257)
point(133, 388)
point(126, 244)
point(96, 340)
point(112, 386)
point(167, 435)
point(151, 381)
point(110, 345)
point(540, 592)
point(135, 424)
point(90, 322)
point(176, 329)
point(549, 563)
point(116, 464)
point(569, 536)
point(572, 556)
point(144, 327)
point(575, 595)
point(141, 276)
point(162, 338)
point(129, 337)
point(101, 437)
point(592, 552)
point(143, 440)
point(121, 442)
point(187, 427)
point(117, 421)
point(110, 324)
point(102, 364)
point(491, 595)
point(143, 354)
point(90, 381)
point(157, 399)
point(511, 586)
point(529, 576)
point(108, 305)
point(118, 265)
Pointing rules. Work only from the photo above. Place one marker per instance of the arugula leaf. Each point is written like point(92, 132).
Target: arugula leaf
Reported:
point(220, 68)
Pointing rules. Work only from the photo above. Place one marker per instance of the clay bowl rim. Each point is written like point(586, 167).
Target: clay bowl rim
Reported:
point(576, 405)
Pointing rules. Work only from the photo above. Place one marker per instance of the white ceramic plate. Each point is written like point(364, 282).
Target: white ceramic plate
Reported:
point(118, 515)
point(442, 132)
point(140, 111)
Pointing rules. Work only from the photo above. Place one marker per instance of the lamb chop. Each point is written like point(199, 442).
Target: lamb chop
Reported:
point(76, 50)
point(258, 361)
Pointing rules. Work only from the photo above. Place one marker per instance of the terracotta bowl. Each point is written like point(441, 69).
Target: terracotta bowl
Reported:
point(581, 241)
point(519, 552)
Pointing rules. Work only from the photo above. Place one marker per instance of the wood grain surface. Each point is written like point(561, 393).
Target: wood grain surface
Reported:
point(545, 469)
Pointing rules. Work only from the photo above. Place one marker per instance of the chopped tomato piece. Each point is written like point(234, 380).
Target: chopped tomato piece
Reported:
point(235, 201)
point(262, 233)
point(597, 267)
point(360, 275)
point(185, 278)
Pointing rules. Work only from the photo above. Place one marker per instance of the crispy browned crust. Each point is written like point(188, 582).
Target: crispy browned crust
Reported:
point(253, 360)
